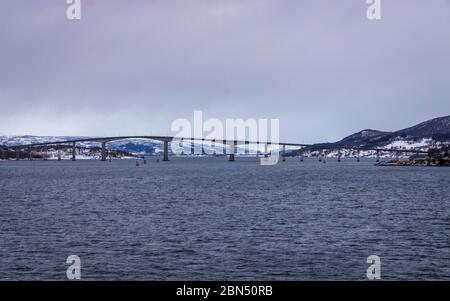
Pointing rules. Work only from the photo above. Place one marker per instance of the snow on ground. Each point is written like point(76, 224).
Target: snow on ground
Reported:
point(406, 144)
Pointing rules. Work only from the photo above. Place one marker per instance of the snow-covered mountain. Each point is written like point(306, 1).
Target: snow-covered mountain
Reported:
point(363, 137)
point(138, 147)
point(438, 129)
point(422, 136)
point(23, 140)
point(427, 133)
point(134, 146)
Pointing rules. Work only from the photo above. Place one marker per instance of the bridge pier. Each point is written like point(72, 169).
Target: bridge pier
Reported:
point(357, 156)
point(301, 154)
point(266, 153)
point(181, 146)
point(213, 145)
point(339, 155)
point(231, 149)
point(74, 149)
point(166, 151)
point(378, 156)
point(284, 153)
point(103, 151)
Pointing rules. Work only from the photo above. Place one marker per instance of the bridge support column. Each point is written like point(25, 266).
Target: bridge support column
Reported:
point(166, 151)
point(284, 153)
point(74, 149)
point(213, 146)
point(378, 156)
point(358, 157)
point(339, 155)
point(181, 146)
point(231, 149)
point(266, 154)
point(103, 151)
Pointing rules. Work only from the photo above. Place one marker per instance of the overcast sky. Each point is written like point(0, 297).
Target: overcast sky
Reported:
point(132, 67)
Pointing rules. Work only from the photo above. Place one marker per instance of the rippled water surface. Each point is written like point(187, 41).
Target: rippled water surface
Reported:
point(209, 219)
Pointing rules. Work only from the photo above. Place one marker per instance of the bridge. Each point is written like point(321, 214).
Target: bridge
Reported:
point(231, 145)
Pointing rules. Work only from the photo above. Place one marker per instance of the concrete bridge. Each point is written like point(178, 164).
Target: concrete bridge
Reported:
point(231, 145)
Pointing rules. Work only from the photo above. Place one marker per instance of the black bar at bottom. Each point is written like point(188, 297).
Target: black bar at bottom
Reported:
point(215, 290)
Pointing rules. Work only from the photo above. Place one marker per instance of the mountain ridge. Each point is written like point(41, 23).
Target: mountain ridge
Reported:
point(436, 129)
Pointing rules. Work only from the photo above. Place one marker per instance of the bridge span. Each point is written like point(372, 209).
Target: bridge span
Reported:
point(231, 145)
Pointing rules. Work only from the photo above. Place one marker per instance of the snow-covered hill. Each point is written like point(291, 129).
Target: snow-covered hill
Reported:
point(423, 134)
point(137, 147)
point(134, 146)
point(429, 134)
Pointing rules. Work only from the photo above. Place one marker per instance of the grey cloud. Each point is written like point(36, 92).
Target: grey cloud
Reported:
point(132, 67)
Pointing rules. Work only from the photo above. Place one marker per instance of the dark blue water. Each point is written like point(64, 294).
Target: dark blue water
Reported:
point(209, 219)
